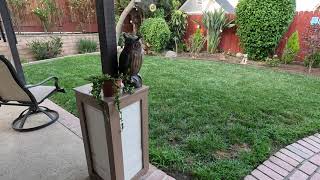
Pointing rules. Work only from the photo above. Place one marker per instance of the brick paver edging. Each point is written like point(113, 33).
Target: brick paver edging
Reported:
point(298, 161)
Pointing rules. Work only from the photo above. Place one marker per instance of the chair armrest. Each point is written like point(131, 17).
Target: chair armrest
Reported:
point(56, 84)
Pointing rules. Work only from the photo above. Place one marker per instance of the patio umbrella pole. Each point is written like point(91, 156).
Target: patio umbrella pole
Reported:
point(11, 38)
point(113, 151)
point(107, 36)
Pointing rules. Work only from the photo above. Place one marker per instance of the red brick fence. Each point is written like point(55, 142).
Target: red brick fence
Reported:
point(230, 41)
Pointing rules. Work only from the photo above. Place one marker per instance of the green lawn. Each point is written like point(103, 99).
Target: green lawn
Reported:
point(208, 119)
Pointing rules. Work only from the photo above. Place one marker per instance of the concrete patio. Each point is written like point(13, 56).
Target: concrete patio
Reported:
point(52, 153)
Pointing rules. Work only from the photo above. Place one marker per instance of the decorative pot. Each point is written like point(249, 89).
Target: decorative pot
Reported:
point(109, 89)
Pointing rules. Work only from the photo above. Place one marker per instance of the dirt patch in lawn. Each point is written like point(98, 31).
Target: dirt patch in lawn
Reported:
point(296, 67)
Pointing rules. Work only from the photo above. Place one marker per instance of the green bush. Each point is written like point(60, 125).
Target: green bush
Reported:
point(46, 49)
point(215, 22)
point(273, 62)
point(156, 33)
point(314, 59)
point(262, 24)
point(178, 25)
point(292, 49)
point(87, 46)
point(196, 42)
point(159, 13)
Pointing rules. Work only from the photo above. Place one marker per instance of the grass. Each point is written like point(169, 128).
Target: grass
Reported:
point(209, 120)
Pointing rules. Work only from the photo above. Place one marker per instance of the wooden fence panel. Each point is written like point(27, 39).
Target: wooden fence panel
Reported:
point(230, 41)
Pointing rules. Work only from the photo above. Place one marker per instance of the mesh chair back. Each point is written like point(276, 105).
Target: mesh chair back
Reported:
point(11, 89)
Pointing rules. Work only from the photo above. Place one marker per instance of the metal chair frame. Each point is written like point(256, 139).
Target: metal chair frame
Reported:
point(33, 105)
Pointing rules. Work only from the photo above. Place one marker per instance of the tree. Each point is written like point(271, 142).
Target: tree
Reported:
point(262, 24)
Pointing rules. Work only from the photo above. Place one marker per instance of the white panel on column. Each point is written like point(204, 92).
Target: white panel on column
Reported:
point(131, 140)
point(97, 134)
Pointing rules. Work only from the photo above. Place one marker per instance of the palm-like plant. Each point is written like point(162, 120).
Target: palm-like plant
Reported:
point(215, 22)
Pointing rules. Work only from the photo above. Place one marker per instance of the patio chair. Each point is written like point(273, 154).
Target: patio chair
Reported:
point(14, 92)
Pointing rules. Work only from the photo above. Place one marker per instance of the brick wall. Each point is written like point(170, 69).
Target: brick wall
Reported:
point(70, 42)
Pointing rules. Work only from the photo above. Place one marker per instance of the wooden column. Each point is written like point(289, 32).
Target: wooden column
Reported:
point(107, 36)
point(11, 38)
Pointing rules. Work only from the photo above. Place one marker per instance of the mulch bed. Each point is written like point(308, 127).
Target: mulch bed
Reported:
point(296, 67)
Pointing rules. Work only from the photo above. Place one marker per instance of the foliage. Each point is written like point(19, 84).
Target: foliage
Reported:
point(178, 25)
point(46, 49)
point(313, 60)
point(196, 42)
point(120, 5)
point(97, 84)
point(168, 6)
point(292, 48)
point(245, 110)
point(312, 41)
point(48, 13)
point(156, 33)
point(87, 46)
point(82, 11)
point(182, 47)
point(273, 62)
point(18, 11)
point(159, 13)
point(215, 22)
point(261, 25)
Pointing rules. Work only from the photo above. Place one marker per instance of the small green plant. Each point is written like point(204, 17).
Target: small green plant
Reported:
point(87, 46)
point(273, 62)
point(313, 60)
point(215, 22)
point(156, 33)
point(97, 84)
point(196, 42)
point(46, 49)
point(262, 24)
point(292, 49)
point(178, 25)
point(159, 13)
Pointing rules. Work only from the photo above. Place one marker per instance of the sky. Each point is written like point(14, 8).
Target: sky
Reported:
point(307, 5)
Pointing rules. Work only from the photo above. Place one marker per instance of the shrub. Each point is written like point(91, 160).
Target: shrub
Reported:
point(313, 60)
point(273, 62)
point(87, 46)
point(215, 22)
point(178, 25)
point(46, 49)
point(311, 39)
point(159, 13)
point(196, 42)
point(156, 33)
point(261, 25)
point(292, 48)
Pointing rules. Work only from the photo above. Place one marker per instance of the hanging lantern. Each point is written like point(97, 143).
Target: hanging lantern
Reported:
point(153, 7)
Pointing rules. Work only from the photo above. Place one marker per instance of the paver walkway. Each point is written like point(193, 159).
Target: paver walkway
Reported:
point(298, 161)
